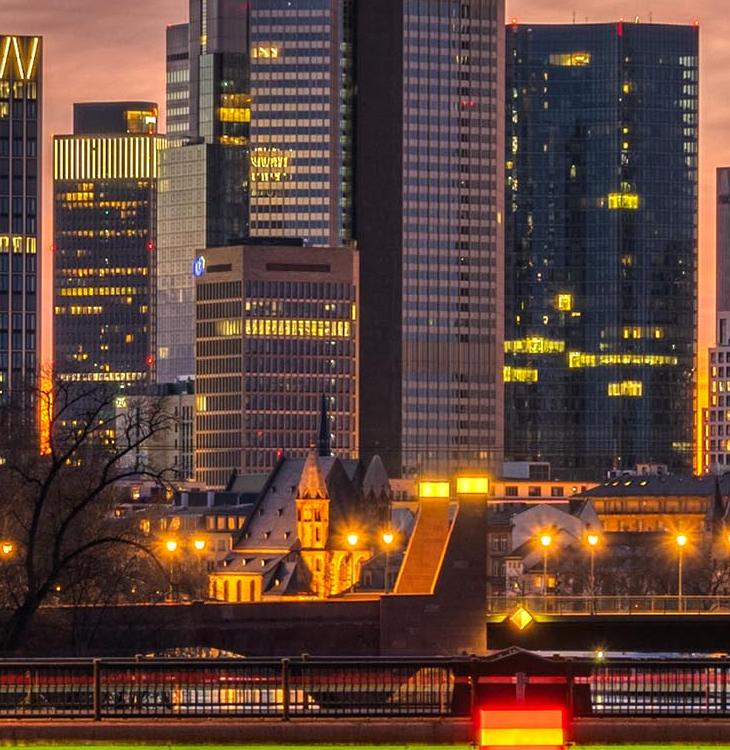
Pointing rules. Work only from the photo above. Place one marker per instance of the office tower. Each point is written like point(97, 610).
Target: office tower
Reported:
point(428, 221)
point(716, 422)
point(601, 249)
point(301, 123)
point(276, 331)
point(177, 112)
point(20, 202)
point(203, 192)
point(104, 201)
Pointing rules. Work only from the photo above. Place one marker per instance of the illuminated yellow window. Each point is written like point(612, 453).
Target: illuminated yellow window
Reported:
point(626, 88)
point(520, 375)
point(623, 201)
point(628, 388)
point(564, 302)
point(571, 59)
point(534, 345)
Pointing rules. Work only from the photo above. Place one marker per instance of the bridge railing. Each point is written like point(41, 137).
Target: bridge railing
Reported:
point(610, 605)
point(301, 688)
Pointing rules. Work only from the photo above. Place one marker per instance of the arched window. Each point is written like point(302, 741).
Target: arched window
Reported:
point(239, 590)
point(252, 591)
point(225, 590)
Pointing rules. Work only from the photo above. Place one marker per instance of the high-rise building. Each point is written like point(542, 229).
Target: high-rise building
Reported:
point(177, 125)
point(428, 221)
point(276, 335)
point(105, 180)
point(301, 123)
point(203, 191)
point(716, 417)
point(20, 201)
point(601, 248)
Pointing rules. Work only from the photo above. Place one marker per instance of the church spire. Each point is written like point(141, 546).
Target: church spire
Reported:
point(323, 442)
point(312, 485)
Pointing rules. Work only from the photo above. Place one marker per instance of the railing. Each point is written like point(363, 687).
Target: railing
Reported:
point(610, 605)
point(304, 688)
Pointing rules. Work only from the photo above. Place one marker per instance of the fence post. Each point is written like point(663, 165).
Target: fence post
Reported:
point(285, 689)
point(96, 676)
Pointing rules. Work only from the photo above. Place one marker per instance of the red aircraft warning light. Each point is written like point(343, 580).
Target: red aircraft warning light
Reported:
point(521, 727)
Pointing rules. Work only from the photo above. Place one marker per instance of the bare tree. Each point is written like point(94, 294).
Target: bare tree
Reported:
point(59, 487)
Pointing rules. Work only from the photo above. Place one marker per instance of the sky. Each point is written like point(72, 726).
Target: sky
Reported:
point(114, 49)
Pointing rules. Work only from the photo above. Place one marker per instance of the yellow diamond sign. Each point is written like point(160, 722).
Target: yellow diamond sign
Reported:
point(521, 618)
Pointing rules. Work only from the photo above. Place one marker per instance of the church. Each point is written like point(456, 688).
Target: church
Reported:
point(315, 523)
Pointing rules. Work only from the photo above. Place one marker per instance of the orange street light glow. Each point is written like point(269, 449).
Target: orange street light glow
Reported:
point(593, 539)
point(7, 548)
point(171, 545)
point(546, 540)
point(681, 540)
point(199, 544)
point(352, 539)
point(388, 537)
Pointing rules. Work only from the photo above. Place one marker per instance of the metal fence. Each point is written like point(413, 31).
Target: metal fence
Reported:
point(300, 688)
point(610, 605)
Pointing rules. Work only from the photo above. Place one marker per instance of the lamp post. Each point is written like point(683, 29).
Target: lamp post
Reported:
point(593, 540)
point(681, 540)
point(7, 549)
point(352, 540)
point(545, 540)
point(171, 547)
point(388, 539)
point(199, 546)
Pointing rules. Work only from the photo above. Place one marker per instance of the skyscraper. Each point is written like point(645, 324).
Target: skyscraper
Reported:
point(20, 201)
point(178, 84)
point(301, 124)
point(105, 181)
point(203, 193)
point(716, 423)
point(601, 249)
point(428, 221)
point(276, 333)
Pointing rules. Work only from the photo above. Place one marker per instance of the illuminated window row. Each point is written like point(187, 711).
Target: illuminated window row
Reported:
point(629, 388)
point(102, 377)
point(84, 272)
point(102, 291)
point(640, 332)
point(520, 375)
point(571, 59)
point(234, 114)
point(18, 243)
point(79, 310)
point(534, 345)
point(307, 328)
point(580, 359)
point(621, 201)
point(106, 157)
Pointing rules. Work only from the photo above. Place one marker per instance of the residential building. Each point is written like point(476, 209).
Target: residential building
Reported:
point(104, 200)
point(668, 504)
point(203, 192)
point(312, 528)
point(601, 248)
point(716, 417)
point(21, 91)
point(429, 227)
point(277, 355)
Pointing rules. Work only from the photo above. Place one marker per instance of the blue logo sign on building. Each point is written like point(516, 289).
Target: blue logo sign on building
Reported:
point(199, 266)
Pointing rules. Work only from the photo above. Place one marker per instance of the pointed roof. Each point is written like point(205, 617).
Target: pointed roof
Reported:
point(312, 485)
point(375, 480)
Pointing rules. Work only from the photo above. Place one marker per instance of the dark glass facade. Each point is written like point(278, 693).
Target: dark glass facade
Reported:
point(601, 250)
point(203, 192)
point(20, 200)
point(104, 186)
point(428, 221)
point(276, 332)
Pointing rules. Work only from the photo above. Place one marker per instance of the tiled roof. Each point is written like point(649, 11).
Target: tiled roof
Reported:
point(672, 484)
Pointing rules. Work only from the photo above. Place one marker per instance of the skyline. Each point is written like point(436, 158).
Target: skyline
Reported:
point(127, 61)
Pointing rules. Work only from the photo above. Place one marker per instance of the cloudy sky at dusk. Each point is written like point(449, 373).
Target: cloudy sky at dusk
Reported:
point(109, 49)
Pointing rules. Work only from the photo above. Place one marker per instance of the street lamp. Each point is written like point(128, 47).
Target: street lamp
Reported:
point(199, 545)
point(681, 541)
point(352, 539)
point(545, 540)
point(171, 546)
point(7, 548)
point(388, 539)
point(593, 540)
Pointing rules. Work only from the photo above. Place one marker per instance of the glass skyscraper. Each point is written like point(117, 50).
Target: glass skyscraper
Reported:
point(105, 181)
point(601, 249)
point(203, 189)
point(301, 125)
point(20, 200)
point(428, 221)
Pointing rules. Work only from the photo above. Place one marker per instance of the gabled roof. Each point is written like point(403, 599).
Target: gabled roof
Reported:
point(376, 479)
point(311, 484)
